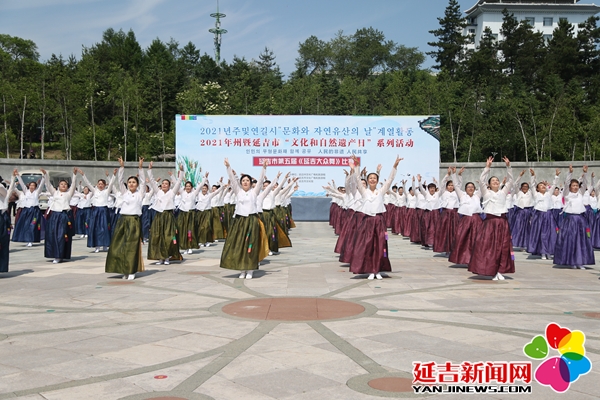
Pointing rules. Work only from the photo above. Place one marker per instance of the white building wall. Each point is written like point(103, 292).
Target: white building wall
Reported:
point(493, 20)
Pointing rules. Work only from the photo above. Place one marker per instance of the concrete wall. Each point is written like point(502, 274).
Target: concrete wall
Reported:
point(305, 209)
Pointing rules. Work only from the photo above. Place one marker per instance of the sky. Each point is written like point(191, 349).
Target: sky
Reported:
point(64, 26)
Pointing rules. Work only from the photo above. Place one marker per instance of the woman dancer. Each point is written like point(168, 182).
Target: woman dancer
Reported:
point(59, 225)
point(411, 210)
point(125, 252)
point(28, 226)
point(246, 243)
point(543, 233)
point(446, 231)
point(164, 243)
point(372, 256)
point(203, 214)
point(493, 253)
point(470, 221)
point(431, 214)
point(185, 219)
point(522, 212)
point(84, 207)
point(574, 244)
point(5, 224)
point(399, 210)
point(98, 223)
point(277, 235)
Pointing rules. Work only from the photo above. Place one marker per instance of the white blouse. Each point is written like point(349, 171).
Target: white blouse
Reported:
point(60, 200)
point(5, 194)
point(373, 199)
point(188, 200)
point(163, 201)
point(85, 201)
point(99, 197)
point(246, 200)
point(495, 202)
point(29, 198)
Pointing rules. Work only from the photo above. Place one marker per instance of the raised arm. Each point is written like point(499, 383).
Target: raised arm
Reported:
point(87, 183)
point(21, 183)
point(390, 180)
point(261, 179)
point(152, 182)
point(49, 182)
point(264, 193)
point(484, 176)
point(509, 181)
point(457, 187)
point(584, 183)
point(444, 181)
point(73, 182)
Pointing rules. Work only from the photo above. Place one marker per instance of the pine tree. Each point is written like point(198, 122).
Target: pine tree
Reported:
point(451, 40)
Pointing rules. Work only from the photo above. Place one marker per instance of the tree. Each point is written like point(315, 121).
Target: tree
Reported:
point(451, 41)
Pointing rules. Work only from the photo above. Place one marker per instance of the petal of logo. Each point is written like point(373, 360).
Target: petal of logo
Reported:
point(572, 343)
point(577, 364)
point(555, 334)
point(554, 372)
point(537, 348)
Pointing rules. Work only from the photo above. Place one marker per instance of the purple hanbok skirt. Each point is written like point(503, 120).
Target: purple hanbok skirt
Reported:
point(574, 242)
point(543, 233)
point(521, 226)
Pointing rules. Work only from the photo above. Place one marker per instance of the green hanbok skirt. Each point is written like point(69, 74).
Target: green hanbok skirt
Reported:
point(185, 227)
point(203, 226)
point(164, 243)
point(246, 244)
point(125, 251)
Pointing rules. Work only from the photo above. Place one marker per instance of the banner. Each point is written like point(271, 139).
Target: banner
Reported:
point(314, 148)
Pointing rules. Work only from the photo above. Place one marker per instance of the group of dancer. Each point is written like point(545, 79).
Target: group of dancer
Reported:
point(143, 210)
point(477, 225)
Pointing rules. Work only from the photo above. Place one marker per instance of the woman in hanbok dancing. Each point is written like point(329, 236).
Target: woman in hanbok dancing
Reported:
point(164, 243)
point(247, 242)
point(60, 226)
point(493, 252)
point(469, 223)
point(370, 254)
point(574, 242)
point(99, 217)
point(125, 251)
point(28, 226)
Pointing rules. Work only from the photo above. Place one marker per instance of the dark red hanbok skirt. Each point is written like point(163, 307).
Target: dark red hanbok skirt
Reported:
point(370, 251)
point(493, 251)
point(444, 235)
point(467, 231)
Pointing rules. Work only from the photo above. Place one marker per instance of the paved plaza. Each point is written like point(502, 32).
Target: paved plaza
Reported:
point(192, 330)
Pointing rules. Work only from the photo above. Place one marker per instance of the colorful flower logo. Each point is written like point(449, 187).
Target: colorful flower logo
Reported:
point(560, 371)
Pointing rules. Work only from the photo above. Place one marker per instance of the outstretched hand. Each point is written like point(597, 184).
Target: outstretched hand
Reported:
point(227, 163)
point(489, 161)
point(506, 161)
point(121, 162)
point(398, 159)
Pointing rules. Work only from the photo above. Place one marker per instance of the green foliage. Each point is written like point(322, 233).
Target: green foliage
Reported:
point(520, 96)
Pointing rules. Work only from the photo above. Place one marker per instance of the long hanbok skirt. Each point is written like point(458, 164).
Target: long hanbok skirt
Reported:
point(521, 226)
point(346, 218)
point(543, 233)
point(493, 251)
point(409, 215)
point(389, 208)
point(556, 214)
point(398, 219)
point(349, 240)
point(589, 215)
point(164, 243)
point(429, 223)
point(28, 227)
point(114, 215)
point(147, 217)
point(203, 226)
point(81, 221)
point(574, 242)
point(340, 218)
point(275, 233)
point(98, 227)
point(125, 252)
point(596, 231)
point(467, 232)
point(415, 227)
point(445, 231)
point(224, 220)
point(185, 227)
point(332, 211)
point(246, 244)
point(4, 239)
point(217, 223)
point(60, 229)
point(370, 253)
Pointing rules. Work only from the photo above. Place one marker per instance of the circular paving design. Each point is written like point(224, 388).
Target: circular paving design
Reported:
point(293, 309)
point(392, 384)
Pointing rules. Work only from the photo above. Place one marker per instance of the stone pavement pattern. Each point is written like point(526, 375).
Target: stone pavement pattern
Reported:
point(70, 331)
